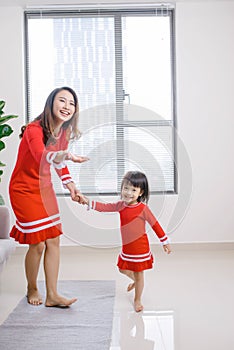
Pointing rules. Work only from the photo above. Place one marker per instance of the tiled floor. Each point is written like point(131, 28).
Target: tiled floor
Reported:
point(188, 297)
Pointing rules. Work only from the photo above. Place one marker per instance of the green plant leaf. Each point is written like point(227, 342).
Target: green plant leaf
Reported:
point(7, 117)
point(2, 105)
point(2, 145)
point(5, 130)
point(1, 198)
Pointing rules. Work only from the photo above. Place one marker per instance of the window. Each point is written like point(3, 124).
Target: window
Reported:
point(121, 64)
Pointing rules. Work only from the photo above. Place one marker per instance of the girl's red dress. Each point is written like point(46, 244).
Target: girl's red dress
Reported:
point(135, 254)
point(31, 191)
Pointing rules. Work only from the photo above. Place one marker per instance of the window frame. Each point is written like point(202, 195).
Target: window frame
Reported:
point(126, 10)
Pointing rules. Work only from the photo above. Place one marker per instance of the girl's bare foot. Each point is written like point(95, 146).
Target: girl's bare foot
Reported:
point(138, 306)
point(131, 286)
point(34, 297)
point(59, 301)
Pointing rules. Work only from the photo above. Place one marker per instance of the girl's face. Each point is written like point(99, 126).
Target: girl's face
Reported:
point(63, 107)
point(129, 193)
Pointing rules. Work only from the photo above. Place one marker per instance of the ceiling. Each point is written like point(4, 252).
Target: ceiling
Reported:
point(24, 3)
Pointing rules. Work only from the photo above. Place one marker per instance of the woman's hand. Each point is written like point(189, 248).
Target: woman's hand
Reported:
point(75, 193)
point(76, 159)
point(65, 155)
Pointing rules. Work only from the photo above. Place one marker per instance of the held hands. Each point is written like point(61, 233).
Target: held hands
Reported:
point(80, 198)
point(83, 200)
point(167, 248)
point(75, 193)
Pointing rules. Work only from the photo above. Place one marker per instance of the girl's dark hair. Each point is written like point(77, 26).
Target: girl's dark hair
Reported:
point(137, 179)
point(46, 118)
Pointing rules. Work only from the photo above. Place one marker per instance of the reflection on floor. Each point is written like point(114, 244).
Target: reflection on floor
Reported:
point(188, 295)
point(148, 330)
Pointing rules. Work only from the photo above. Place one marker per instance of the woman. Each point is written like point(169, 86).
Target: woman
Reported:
point(44, 143)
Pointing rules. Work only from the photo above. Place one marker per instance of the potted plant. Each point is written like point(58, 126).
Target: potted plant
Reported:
point(5, 131)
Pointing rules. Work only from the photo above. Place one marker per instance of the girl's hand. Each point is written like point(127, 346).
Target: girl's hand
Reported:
point(167, 248)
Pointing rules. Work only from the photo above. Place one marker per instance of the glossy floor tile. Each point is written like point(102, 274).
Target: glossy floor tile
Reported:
point(146, 330)
point(188, 296)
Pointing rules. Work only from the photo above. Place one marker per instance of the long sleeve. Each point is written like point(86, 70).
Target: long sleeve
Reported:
point(44, 156)
point(34, 139)
point(151, 219)
point(106, 207)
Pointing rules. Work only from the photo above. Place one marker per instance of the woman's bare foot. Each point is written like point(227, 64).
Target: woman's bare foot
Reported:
point(131, 286)
point(138, 306)
point(34, 297)
point(59, 301)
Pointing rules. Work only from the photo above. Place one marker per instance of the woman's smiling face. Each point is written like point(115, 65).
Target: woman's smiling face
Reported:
point(63, 106)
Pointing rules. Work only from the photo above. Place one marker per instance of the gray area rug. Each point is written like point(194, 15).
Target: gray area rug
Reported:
point(85, 325)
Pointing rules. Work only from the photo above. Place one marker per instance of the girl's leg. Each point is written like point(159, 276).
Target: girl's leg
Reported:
point(139, 285)
point(32, 263)
point(130, 274)
point(51, 267)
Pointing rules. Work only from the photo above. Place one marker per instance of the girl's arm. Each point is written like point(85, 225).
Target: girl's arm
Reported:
point(164, 239)
point(105, 207)
point(102, 207)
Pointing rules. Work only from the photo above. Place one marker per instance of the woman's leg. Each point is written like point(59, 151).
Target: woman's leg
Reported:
point(51, 267)
point(32, 263)
point(139, 286)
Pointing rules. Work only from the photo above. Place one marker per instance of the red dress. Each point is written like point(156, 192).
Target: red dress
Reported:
point(31, 191)
point(136, 254)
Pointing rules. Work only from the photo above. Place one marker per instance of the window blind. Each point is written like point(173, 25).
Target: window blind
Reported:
point(121, 64)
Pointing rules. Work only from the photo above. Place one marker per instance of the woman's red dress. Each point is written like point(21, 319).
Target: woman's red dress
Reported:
point(31, 191)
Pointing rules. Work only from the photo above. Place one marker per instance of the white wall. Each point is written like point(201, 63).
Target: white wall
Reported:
point(205, 85)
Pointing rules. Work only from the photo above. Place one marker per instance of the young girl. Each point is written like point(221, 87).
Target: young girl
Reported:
point(135, 256)
point(44, 144)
